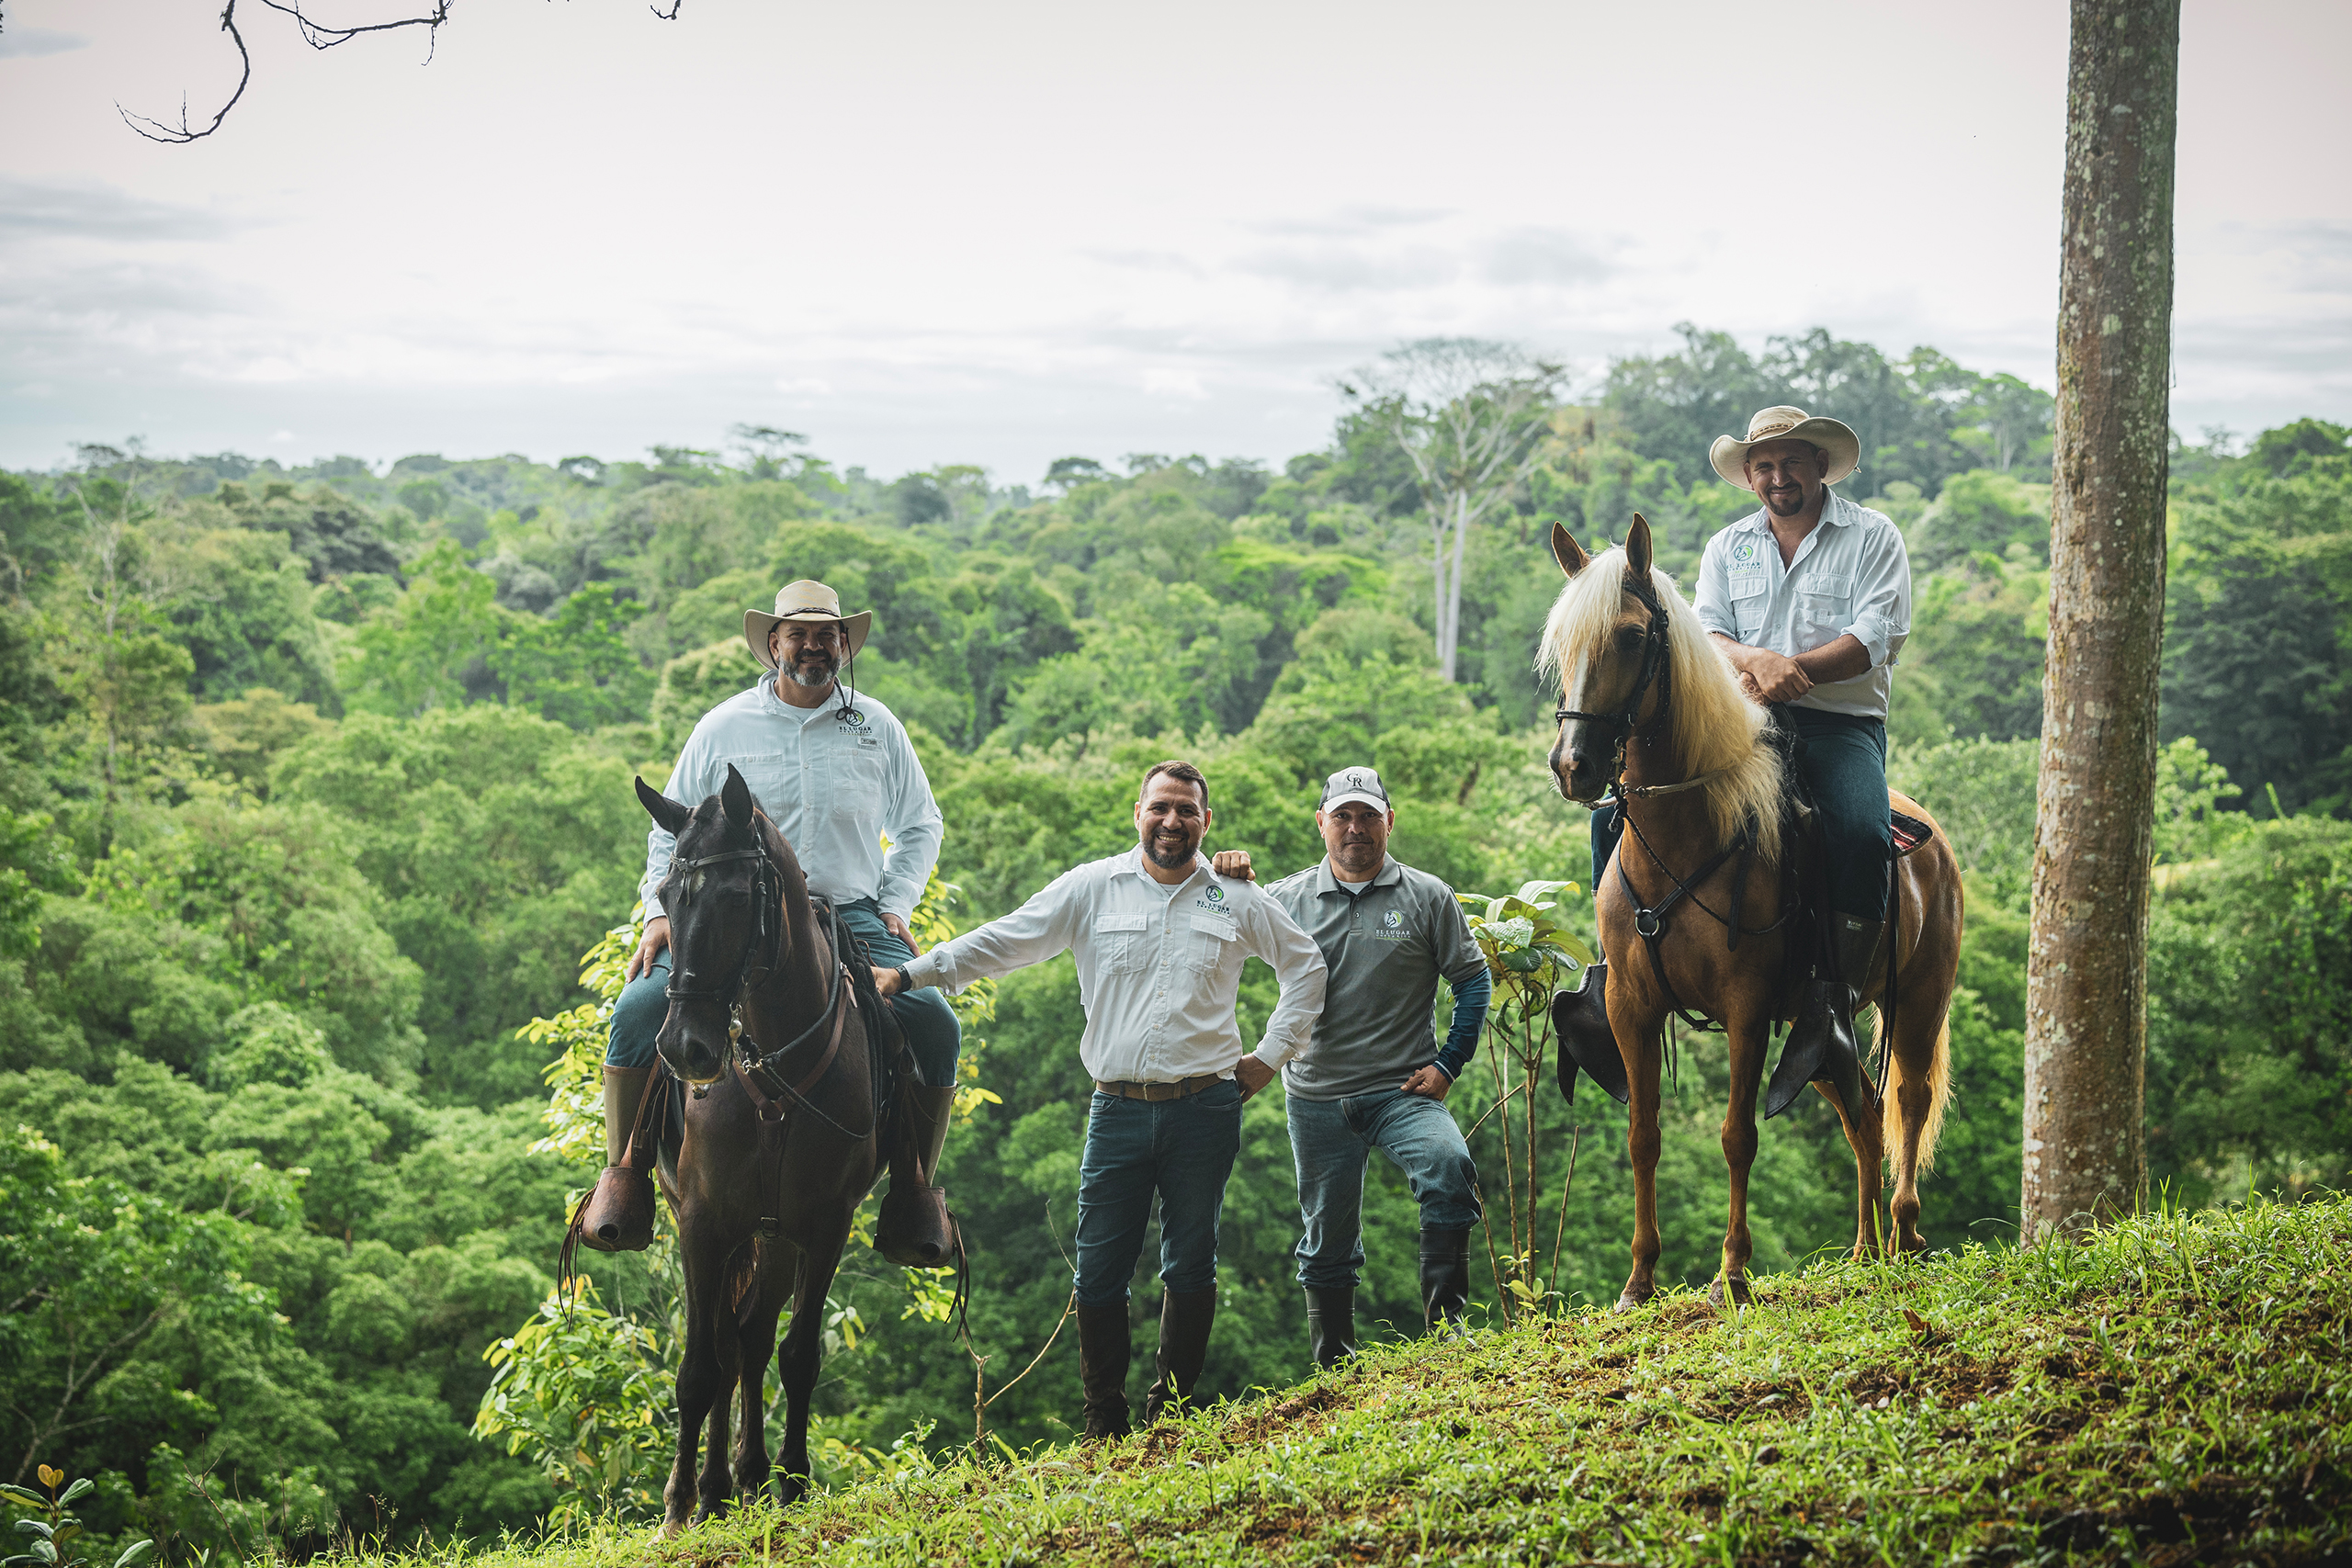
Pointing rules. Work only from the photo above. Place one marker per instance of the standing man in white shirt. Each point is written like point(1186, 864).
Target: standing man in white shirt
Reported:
point(1160, 941)
point(834, 771)
point(1809, 598)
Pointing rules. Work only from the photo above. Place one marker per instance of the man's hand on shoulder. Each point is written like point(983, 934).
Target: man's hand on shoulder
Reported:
point(648, 948)
point(1429, 1082)
point(1233, 864)
point(1252, 1073)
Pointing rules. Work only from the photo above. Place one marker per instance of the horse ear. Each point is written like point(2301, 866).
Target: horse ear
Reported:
point(670, 815)
point(1567, 552)
point(1637, 548)
point(735, 798)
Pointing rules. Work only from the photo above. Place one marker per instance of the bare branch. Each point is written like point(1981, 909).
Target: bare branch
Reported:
point(669, 15)
point(183, 135)
point(318, 35)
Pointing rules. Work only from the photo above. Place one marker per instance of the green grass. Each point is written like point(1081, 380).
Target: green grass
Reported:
point(2179, 1388)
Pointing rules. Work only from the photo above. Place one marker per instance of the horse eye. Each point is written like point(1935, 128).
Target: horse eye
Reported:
point(1629, 640)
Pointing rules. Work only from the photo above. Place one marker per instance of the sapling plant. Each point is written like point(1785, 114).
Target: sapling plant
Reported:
point(53, 1536)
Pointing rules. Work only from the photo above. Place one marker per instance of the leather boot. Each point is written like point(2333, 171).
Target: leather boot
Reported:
point(1185, 1317)
point(1105, 1346)
point(618, 1215)
point(1581, 1020)
point(1822, 1045)
point(1445, 1276)
point(916, 1229)
point(1331, 1322)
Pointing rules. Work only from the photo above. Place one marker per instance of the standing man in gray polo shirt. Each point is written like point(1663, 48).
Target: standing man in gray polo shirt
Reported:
point(1376, 1076)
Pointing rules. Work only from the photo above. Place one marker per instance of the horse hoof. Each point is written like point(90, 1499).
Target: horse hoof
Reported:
point(1632, 1302)
point(1741, 1295)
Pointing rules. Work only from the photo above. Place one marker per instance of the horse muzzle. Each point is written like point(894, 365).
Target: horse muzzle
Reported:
point(696, 1052)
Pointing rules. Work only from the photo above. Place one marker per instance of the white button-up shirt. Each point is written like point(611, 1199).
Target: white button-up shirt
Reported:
point(1852, 575)
point(833, 785)
point(1157, 967)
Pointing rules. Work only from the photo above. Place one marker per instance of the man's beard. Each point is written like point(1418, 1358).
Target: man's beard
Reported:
point(1357, 855)
point(1168, 859)
point(1784, 506)
point(801, 676)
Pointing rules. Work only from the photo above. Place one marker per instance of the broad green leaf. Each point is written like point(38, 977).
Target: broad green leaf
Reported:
point(137, 1551)
point(23, 1498)
point(79, 1489)
point(1529, 892)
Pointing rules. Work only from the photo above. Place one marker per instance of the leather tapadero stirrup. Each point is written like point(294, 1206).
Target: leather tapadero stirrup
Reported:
point(618, 1216)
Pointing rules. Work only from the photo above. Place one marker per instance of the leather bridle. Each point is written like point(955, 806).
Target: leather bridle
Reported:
point(1657, 667)
point(768, 931)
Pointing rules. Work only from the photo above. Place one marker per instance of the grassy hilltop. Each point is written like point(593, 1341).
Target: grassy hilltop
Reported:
point(2178, 1390)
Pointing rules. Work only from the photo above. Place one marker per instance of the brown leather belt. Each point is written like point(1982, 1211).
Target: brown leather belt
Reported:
point(1180, 1089)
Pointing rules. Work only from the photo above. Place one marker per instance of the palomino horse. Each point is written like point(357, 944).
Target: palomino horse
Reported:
point(782, 1140)
point(1680, 719)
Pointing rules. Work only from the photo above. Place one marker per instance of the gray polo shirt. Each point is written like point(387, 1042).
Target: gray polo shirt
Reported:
point(1385, 947)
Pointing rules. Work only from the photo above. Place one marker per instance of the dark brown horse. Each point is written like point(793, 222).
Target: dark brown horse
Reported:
point(776, 1157)
point(1696, 776)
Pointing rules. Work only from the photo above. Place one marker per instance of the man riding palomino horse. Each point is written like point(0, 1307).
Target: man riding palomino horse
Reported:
point(1809, 600)
point(834, 772)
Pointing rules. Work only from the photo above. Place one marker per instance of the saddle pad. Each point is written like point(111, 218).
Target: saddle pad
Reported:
point(1909, 834)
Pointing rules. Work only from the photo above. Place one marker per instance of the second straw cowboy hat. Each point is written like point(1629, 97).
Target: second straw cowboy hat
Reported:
point(804, 601)
point(1841, 449)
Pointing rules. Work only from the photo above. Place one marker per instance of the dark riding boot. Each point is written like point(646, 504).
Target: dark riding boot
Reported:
point(1332, 1323)
point(1445, 1276)
point(1822, 1045)
point(1104, 1345)
point(1580, 1019)
point(1185, 1317)
point(916, 1229)
point(618, 1215)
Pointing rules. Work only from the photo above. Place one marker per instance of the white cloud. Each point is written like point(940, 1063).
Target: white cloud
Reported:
point(31, 43)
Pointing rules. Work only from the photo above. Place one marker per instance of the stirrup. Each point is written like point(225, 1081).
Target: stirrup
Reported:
point(1580, 1021)
point(1821, 1049)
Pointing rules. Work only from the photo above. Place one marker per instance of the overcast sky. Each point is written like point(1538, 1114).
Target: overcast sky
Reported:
point(927, 232)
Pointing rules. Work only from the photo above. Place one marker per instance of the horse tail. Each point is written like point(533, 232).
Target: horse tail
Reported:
point(1939, 1074)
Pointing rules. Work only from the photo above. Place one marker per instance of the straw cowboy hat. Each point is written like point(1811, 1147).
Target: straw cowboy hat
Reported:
point(807, 601)
point(1841, 449)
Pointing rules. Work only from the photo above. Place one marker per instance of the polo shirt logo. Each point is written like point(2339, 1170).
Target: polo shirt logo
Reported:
point(1393, 918)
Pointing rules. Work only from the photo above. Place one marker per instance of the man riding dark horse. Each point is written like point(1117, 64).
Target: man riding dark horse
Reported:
point(834, 772)
point(1809, 598)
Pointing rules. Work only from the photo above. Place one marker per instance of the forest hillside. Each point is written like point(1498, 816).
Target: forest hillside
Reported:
point(314, 792)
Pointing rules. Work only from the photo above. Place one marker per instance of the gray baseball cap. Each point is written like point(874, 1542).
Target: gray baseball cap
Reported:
point(1354, 784)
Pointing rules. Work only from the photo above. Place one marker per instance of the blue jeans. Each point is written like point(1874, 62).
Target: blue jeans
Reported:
point(1845, 767)
point(928, 1022)
point(1182, 1149)
point(1332, 1141)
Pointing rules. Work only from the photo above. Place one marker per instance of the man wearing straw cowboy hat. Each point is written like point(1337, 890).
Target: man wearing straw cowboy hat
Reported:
point(833, 770)
point(1809, 600)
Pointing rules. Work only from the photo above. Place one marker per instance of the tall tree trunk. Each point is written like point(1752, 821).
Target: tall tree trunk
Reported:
point(1453, 656)
point(2087, 975)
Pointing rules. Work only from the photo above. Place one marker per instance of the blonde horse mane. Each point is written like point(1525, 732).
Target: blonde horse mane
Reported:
point(1715, 727)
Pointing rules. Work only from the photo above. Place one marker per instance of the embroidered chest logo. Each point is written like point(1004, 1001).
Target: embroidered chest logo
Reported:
point(1743, 551)
point(1393, 918)
point(1217, 895)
